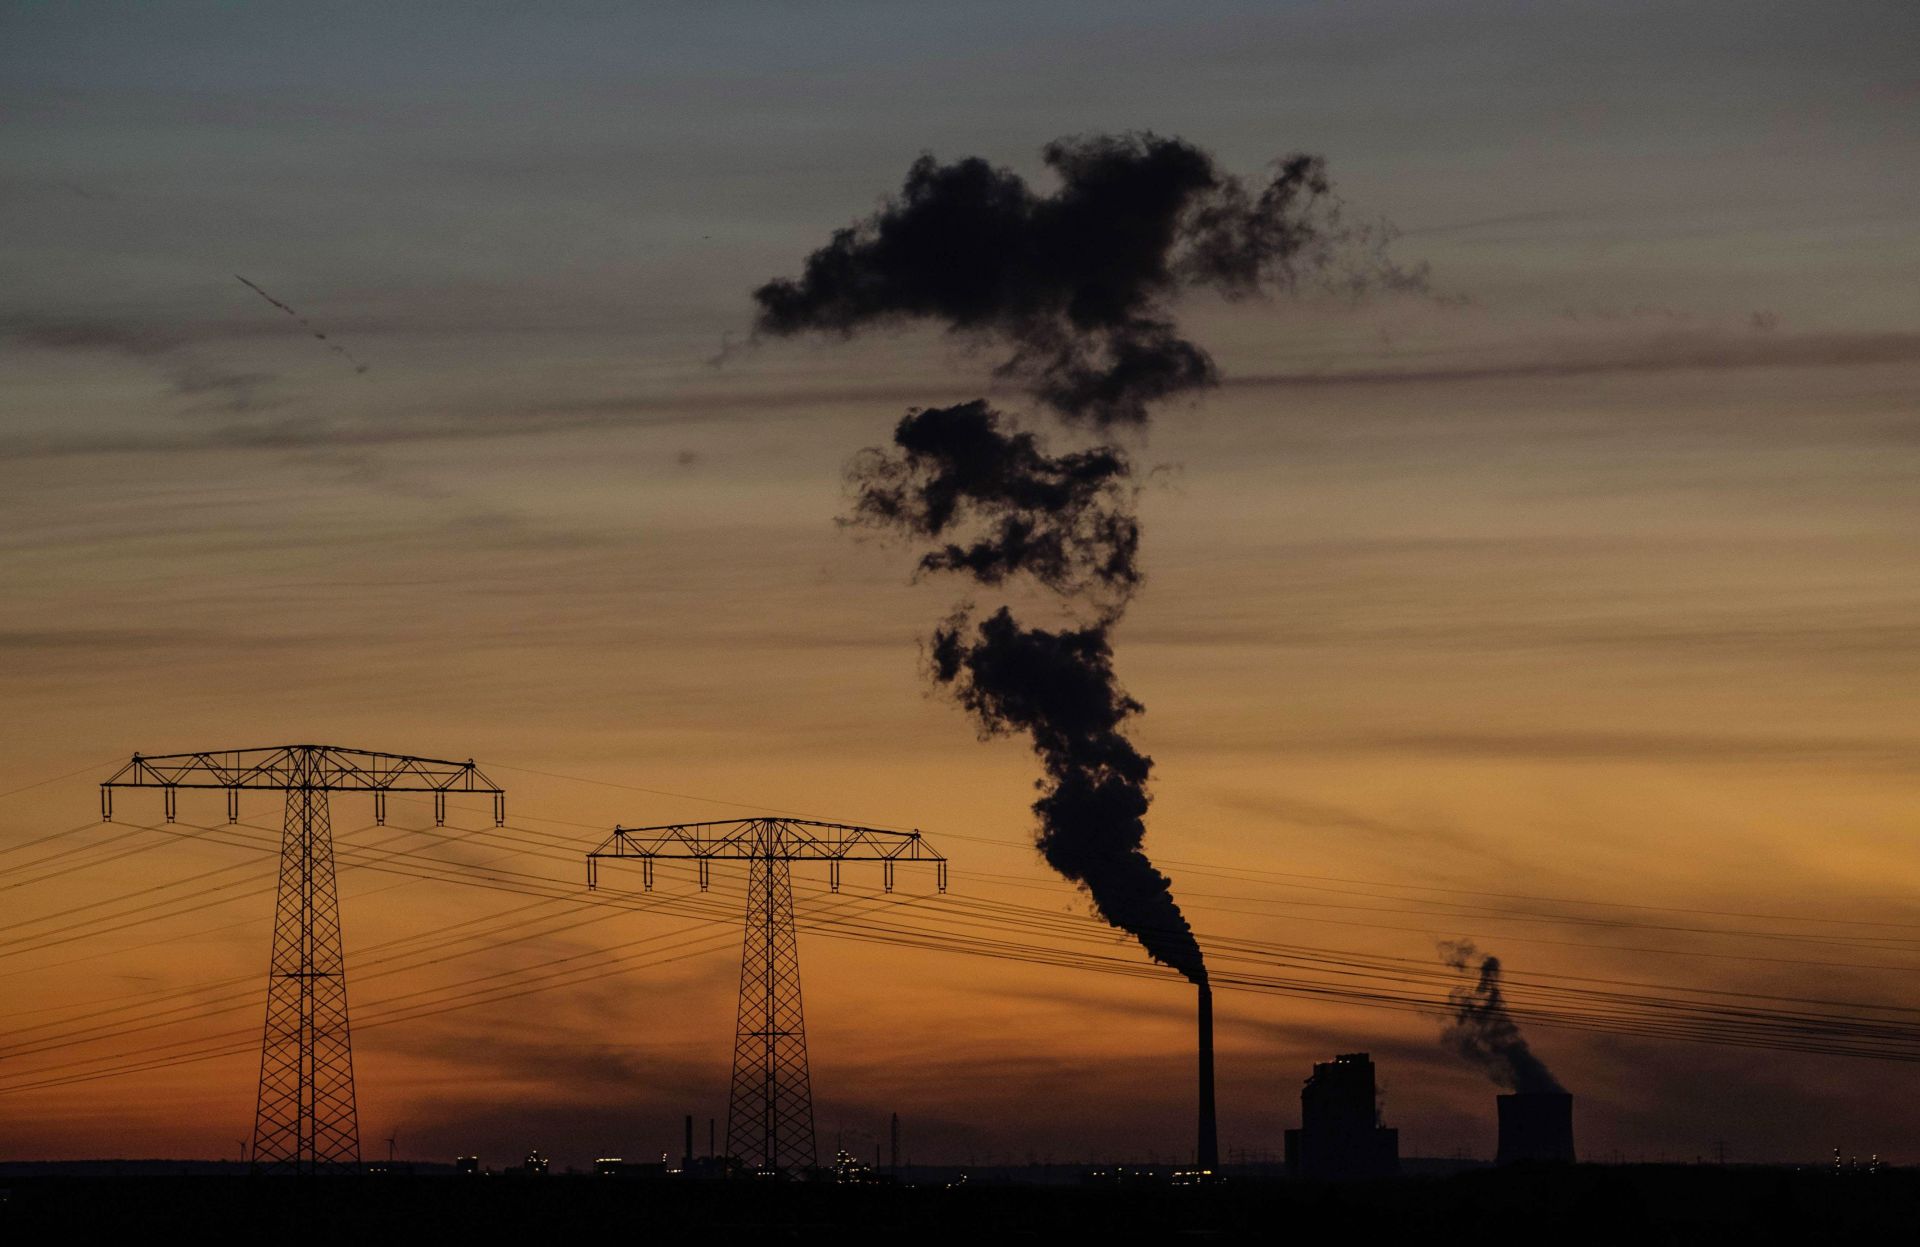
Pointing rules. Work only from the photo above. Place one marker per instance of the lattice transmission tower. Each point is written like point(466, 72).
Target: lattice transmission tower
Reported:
point(306, 1119)
point(770, 1106)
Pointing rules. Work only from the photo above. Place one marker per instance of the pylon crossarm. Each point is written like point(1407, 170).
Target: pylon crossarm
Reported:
point(314, 768)
point(327, 767)
point(766, 839)
point(795, 838)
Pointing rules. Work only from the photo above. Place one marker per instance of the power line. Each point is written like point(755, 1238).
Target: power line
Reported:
point(1395, 983)
point(1744, 1028)
point(90, 769)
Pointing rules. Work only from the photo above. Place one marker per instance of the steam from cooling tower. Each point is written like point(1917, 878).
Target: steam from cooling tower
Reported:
point(1074, 288)
point(1481, 1029)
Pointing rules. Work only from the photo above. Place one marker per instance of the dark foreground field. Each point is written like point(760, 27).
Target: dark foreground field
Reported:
point(1631, 1205)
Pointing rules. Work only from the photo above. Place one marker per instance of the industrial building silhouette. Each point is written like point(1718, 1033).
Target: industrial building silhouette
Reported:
point(1340, 1134)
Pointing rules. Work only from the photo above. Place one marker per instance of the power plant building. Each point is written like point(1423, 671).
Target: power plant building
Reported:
point(1340, 1134)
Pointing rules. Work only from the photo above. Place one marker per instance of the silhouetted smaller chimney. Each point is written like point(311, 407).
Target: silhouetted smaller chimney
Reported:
point(686, 1159)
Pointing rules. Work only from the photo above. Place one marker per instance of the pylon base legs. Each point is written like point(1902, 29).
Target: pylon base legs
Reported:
point(770, 1110)
point(306, 1119)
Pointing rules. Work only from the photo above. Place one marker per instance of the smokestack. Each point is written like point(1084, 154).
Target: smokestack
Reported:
point(1536, 1126)
point(686, 1158)
point(1208, 1155)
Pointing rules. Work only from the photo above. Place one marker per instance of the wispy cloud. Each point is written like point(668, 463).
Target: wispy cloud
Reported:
point(1553, 745)
point(210, 387)
point(1324, 817)
point(131, 640)
point(1672, 352)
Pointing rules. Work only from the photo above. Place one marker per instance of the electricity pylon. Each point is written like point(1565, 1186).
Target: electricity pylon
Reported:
point(305, 1119)
point(770, 1108)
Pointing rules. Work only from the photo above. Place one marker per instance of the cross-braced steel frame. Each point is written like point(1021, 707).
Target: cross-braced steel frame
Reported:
point(770, 1107)
point(306, 1119)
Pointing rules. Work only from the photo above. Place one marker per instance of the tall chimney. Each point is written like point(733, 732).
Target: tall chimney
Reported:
point(686, 1159)
point(1207, 1156)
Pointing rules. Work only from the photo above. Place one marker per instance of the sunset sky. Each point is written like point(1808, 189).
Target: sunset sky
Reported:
point(1570, 607)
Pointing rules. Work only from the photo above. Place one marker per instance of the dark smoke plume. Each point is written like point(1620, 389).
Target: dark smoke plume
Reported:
point(1078, 282)
point(996, 504)
point(1481, 1029)
point(1059, 687)
point(1077, 285)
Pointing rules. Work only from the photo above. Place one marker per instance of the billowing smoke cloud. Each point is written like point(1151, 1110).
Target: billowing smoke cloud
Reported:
point(1077, 287)
point(1059, 687)
point(1077, 283)
point(993, 504)
point(996, 504)
point(1482, 1031)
